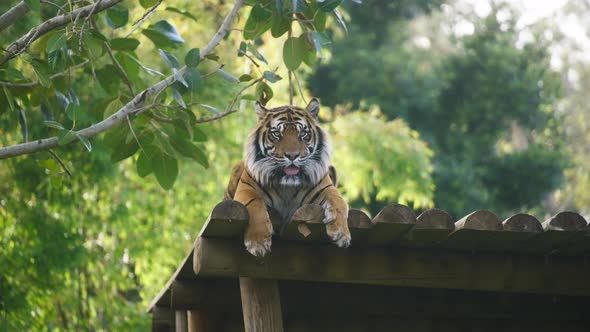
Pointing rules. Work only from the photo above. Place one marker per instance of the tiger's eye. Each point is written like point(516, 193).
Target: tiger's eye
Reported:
point(275, 133)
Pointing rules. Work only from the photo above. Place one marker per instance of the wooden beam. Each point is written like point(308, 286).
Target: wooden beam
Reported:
point(181, 321)
point(391, 223)
point(228, 219)
point(432, 227)
point(201, 321)
point(478, 231)
point(261, 305)
point(397, 267)
point(561, 231)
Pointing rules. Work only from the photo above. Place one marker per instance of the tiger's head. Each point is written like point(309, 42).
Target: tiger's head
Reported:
point(287, 147)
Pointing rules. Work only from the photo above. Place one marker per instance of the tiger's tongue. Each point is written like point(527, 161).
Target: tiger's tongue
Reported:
point(291, 170)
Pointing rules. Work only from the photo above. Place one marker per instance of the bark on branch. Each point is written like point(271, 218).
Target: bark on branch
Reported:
point(128, 109)
point(25, 41)
point(12, 15)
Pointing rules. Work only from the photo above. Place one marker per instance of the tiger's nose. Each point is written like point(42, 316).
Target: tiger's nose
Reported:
point(292, 155)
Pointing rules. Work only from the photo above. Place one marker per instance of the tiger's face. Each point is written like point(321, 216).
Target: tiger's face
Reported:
point(287, 147)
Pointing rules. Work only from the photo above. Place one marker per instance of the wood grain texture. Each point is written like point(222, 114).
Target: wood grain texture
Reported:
point(228, 220)
point(396, 267)
point(432, 227)
point(391, 223)
point(261, 305)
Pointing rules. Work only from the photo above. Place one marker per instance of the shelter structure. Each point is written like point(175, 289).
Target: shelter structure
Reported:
point(401, 273)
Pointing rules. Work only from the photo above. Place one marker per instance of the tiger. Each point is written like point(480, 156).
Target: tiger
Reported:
point(286, 164)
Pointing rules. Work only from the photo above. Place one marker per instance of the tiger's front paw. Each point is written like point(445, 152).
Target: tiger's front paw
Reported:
point(258, 239)
point(336, 227)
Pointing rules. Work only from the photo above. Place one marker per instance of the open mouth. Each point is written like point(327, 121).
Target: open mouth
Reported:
point(291, 170)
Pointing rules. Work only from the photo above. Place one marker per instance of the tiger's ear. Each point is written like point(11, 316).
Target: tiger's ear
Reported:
point(260, 110)
point(313, 107)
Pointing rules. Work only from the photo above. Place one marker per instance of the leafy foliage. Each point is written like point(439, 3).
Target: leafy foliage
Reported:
point(486, 108)
point(367, 158)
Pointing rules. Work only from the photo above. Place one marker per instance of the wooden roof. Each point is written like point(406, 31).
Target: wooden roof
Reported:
point(479, 252)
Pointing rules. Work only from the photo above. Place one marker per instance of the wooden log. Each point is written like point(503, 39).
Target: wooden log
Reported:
point(518, 229)
point(360, 227)
point(400, 267)
point(561, 231)
point(306, 224)
point(181, 321)
point(432, 226)
point(261, 305)
point(477, 231)
point(228, 220)
point(201, 321)
point(391, 224)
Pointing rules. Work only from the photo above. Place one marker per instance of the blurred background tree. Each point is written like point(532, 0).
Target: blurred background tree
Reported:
point(429, 103)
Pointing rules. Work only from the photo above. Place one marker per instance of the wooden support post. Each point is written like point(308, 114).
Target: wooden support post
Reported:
point(200, 321)
point(261, 305)
point(181, 321)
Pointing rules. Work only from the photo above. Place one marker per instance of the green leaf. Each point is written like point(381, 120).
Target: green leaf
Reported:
point(258, 22)
point(199, 135)
point(309, 54)
point(169, 59)
point(227, 76)
point(320, 40)
point(193, 78)
point(117, 16)
point(124, 44)
point(65, 136)
point(129, 66)
point(263, 93)
point(178, 97)
point(190, 150)
point(271, 76)
point(165, 168)
point(42, 71)
point(116, 141)
point(329, 5)
point(210, 109)
point(245, 78)
point(279, 25)
point(293, 51)
point(34, 5)
point(192, 58)
point(212, 57)
point(11, 74)
point(257, 54)
point(148, 3)
point(144, 165)
point(94, 46)
point(319, 20)
point(73, 111)
point(108, 77)
point(56, 42)
point(182, 12)
point(178, 76)
point(340, 20)
point(243, 48)
point(85, 141)
point(54, 125)
point(163, 34)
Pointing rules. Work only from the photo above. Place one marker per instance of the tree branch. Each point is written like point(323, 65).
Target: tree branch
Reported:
point(13, 14)
point(20, 45)
point(131, 107)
